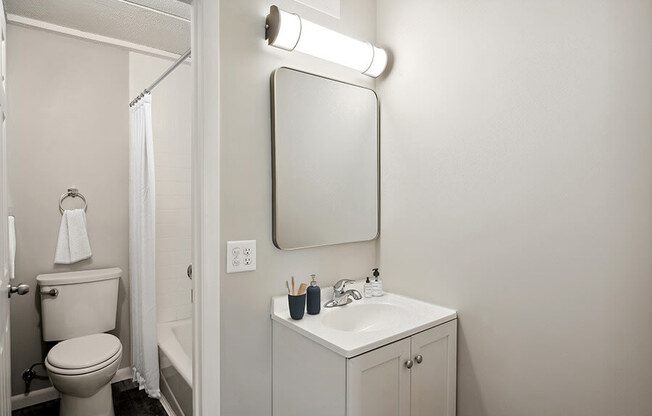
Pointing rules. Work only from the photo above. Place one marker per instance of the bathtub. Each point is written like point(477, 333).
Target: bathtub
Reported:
point(175, 362)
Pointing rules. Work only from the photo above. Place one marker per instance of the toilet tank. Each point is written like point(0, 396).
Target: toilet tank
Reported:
point(74, 304)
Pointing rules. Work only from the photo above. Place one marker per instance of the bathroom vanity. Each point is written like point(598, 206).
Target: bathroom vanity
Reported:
point(384, 356)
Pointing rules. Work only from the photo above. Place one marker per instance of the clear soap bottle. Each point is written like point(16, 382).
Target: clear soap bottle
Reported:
point(368, 289)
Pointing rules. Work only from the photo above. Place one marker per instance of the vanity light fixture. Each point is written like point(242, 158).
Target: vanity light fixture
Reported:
point(291, 32)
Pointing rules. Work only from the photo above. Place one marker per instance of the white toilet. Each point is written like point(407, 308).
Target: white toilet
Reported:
point(76, 308)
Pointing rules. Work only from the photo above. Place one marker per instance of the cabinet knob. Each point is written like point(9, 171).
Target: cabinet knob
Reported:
point(418, 359)
point(409, 363)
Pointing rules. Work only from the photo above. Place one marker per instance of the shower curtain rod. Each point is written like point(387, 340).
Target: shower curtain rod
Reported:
point(167, 72)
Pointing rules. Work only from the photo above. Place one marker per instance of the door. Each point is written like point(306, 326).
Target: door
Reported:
point(5, 367)
point(434, 353)
point(378, 382)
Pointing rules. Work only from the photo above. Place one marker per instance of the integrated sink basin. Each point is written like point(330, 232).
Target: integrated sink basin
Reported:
point(365, 317)
point(365, 324)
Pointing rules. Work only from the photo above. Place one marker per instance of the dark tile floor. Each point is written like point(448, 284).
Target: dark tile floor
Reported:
point(127, 401)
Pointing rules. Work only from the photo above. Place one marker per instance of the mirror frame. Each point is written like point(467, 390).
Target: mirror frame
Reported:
point(274, 165)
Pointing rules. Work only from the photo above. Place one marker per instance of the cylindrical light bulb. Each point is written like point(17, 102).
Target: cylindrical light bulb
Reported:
point(290, 32)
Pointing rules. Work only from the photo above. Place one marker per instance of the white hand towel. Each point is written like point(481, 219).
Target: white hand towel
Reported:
point(12, 246)
point(73, 245)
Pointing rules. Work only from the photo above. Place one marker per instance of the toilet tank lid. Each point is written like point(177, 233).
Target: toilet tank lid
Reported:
point(84, 276)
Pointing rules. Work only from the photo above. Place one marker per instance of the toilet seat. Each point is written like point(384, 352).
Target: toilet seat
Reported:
point(83, 355)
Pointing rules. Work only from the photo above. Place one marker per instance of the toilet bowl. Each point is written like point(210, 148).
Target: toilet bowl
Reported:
point(81, 370)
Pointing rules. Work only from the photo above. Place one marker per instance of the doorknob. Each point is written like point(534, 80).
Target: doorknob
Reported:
point(21, 289)
point(418, 359)
point(409, 363)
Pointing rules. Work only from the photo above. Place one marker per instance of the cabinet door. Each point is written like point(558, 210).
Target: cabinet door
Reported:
point(434, 378)
point(378, 382)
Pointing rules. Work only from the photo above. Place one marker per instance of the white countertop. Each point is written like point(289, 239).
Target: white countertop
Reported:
point(415, 316)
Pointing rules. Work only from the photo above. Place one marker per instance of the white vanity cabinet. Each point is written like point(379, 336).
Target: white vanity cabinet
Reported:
point(415, 376)
point(412, 376)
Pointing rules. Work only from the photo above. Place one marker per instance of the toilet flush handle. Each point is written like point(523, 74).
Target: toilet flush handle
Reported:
point(52, 292)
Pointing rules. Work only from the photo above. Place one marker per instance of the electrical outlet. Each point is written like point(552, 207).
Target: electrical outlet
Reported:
point(240, 256)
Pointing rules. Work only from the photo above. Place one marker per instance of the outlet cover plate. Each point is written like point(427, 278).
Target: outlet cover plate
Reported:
point(240, 256)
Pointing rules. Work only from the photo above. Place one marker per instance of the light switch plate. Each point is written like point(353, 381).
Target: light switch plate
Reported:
point(240, 256)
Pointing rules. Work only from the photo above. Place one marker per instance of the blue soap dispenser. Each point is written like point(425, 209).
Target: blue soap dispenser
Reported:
point(314, 297)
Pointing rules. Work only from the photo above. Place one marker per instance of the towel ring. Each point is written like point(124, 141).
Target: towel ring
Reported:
point(72, 193)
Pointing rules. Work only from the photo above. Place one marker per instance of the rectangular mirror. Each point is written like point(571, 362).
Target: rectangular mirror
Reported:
point(325, 161)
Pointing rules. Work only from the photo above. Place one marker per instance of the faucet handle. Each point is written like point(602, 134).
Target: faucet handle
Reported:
point(339, 286)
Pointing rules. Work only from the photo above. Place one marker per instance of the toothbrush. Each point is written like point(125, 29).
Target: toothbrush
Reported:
point(292, 285)
point(302, 288)
point(288, 286)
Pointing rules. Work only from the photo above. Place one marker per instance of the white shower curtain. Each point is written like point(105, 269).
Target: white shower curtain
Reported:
point(142, 247)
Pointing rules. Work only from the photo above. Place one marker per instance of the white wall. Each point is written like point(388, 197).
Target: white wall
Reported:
point(68, 125)
point(246, 192)
point(171, 125)
point(517, 188)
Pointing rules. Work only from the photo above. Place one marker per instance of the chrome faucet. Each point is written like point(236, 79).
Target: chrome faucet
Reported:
point(343, 297)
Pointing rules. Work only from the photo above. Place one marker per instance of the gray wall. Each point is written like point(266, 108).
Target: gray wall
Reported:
point(68, 125)
point(517, 188)
point(246, 186)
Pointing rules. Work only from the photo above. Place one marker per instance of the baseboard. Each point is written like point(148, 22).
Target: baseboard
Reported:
point(34, 397)
point(20, 401)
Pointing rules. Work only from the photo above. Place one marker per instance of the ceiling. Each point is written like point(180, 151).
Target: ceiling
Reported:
point(160, 24)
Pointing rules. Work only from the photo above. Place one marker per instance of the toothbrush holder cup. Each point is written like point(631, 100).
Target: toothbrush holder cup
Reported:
point(297, 306)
